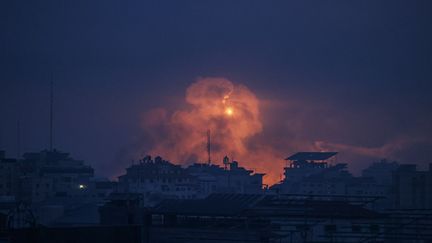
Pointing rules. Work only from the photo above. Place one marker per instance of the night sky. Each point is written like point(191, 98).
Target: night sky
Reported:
point(351, 76)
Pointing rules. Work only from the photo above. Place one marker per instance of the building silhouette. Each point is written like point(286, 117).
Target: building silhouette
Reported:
point(50, 197)
point(412, 188)
point(157, 179)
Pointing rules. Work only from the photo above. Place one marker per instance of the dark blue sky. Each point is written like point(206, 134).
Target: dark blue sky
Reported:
point(356, 73)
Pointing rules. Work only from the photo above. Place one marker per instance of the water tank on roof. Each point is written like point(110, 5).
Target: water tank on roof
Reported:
point(226, 160)
point(234, 165)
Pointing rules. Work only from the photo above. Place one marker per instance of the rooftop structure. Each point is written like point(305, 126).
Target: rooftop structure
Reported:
point(312, 164)
point(311, 156)
point(412, 188)
point(230, 179)
point(158, 179)
point(273, 217)
point(309, 160)
point(47, 174)
point(310, 173)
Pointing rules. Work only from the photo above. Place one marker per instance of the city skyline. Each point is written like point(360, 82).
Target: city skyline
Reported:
point(158, 121)
point(354, 76)
point(215, 121)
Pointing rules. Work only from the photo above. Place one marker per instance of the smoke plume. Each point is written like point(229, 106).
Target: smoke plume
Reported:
point(231, 113)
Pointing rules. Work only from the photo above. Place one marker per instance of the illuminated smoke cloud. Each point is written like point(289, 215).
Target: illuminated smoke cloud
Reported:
point(230, 111)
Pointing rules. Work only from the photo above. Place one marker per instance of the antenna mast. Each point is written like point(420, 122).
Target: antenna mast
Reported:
point(208, 147)
point(51, 116)
point(18, 139)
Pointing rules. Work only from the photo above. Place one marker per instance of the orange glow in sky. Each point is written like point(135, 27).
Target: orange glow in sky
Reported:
point(229, 111)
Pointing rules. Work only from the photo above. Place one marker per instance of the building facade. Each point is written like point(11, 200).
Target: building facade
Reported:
point(230, 179)
point(8, 176)
point(412, 188)
point(159, 179)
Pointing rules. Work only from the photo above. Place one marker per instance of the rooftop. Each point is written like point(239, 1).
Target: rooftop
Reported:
point(215, 204)
point(265, 205)
point(311, 156)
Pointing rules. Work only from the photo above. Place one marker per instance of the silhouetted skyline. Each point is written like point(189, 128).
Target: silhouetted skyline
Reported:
point(353, 77)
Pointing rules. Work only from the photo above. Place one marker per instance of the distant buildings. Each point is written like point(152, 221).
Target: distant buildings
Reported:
point(381, 171)
point(159, 179)
point(231, 179)
point(310, 173)
point(155, 200)
point(53, 174)
point(51, 185)
point(52, 188)
point(8, 176)
point(412, 188)
point(49, 176)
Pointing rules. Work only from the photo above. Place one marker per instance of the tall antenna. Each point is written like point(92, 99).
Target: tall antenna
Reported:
point(208, 147)
point(18, 134)
point(51, 116)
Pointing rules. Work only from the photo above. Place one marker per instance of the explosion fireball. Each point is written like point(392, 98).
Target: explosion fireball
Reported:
point(230, 111)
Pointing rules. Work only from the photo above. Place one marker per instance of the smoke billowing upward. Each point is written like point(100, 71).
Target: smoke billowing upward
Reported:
point(230, 111)
point(260, 139)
